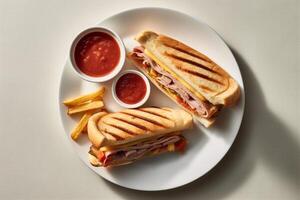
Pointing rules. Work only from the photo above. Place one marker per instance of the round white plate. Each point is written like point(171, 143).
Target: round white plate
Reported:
point(206, 146)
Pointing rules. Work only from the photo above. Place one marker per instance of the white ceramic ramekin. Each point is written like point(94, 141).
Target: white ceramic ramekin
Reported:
point(115, 71)
point(138, 104)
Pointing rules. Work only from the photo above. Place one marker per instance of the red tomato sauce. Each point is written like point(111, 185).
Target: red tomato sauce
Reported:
point(181, 145)
point(97, 54)
point(131, 88)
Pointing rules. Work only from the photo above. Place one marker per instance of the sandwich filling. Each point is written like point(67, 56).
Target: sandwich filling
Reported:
point(174, 87)
point(134, 152)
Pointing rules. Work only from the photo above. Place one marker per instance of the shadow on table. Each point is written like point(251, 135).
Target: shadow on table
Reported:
point(262, 137)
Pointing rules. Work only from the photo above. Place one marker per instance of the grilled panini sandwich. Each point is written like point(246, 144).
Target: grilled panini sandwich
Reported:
point(187, 76)
point(123, 137)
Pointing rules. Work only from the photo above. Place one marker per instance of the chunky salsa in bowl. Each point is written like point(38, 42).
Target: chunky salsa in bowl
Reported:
point(97, 54)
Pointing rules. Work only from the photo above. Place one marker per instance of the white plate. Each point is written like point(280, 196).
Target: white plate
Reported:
point(206, 146)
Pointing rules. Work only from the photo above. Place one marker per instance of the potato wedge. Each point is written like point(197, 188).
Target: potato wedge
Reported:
point(85, 107)
point(84, 98)
point(80, 126)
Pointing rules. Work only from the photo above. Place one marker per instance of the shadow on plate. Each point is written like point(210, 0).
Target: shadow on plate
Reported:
point(262, 138)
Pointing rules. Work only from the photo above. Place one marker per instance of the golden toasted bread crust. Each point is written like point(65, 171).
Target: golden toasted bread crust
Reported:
point(94, 133)
point(199, 71)
point(135, 124)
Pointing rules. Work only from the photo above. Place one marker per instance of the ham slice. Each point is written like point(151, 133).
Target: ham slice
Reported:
point(201, 108)
point(135, 152)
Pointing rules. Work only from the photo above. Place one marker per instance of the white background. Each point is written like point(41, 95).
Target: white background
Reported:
point(37, 162)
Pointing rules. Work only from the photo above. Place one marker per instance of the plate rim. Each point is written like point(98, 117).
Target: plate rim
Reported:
point(241, 98)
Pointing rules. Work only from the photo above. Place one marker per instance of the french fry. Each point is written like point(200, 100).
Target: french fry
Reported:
point(80, 126)
point(84, 98)
point(85, 107)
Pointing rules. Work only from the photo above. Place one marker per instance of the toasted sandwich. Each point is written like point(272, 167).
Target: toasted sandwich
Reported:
point(132, 134)
point(188, 77)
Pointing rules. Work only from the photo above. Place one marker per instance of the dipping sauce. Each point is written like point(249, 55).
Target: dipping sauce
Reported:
point(97, 54)
point(131, 88)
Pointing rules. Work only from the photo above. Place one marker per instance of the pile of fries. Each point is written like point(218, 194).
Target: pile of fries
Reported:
point(87, 105)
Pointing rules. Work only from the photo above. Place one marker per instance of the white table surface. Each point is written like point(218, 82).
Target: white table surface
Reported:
point(37, 162)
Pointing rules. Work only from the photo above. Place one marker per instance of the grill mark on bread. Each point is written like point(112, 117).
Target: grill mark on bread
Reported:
point(206, 88)
point(187, 52)
point(153, 113)
point(157, 118)
point(155, 107)
point(138, 121)
point(146, 119)
point(111, 136)
point(114, 131)
point(201, 76)
point(131, 123)
point(192, 63)
point(125, 126)
point(127, 131)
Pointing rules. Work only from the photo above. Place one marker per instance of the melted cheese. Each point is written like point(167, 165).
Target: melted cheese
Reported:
point(183, 82)
point(171, 147)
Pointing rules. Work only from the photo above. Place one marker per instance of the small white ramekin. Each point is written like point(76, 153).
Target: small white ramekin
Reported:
point(140, 103)
point(115, 71)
